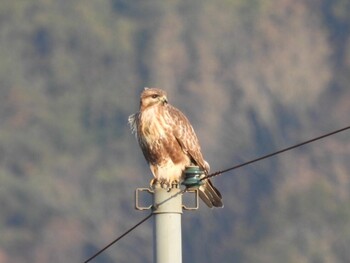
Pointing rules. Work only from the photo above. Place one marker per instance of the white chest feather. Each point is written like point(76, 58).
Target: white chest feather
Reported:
point(153, 126)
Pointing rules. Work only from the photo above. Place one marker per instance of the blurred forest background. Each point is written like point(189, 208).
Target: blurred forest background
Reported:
point(252, 76)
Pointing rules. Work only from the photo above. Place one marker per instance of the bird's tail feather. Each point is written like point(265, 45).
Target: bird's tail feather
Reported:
point(210, 195)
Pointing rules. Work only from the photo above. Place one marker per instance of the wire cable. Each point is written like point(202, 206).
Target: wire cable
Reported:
point(216, 174)
point(135, 226)
point(275, 153)
point(117, 239)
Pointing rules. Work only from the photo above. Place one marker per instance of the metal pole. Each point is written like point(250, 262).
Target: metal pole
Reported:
point(167, 224)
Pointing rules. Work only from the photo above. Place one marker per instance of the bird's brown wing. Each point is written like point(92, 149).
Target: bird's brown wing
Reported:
point(186, 137)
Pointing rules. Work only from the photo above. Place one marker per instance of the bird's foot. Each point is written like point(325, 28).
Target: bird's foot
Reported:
point(153, 182)
point(170, 184)
point(164, 184)
point(175, 184)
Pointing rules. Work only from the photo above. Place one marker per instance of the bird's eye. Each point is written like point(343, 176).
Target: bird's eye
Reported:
point(154, 96)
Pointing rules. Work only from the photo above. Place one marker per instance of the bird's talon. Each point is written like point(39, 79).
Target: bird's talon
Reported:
point(153, 182)
point(175, 184)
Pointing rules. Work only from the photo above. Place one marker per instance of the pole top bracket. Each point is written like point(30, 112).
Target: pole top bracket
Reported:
point(137, 204)
point(164, 196)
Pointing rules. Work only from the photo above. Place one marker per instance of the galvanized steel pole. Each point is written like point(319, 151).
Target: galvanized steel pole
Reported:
point(167, 204)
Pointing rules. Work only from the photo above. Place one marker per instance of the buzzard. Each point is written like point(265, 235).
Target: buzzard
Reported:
point(169, 143)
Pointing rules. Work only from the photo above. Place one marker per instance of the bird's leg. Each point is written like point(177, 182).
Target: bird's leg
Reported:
point(165, 185)
point(175, 184)
point(153, 182)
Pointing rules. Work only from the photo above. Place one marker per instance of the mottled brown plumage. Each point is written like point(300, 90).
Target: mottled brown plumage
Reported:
point(169, 143)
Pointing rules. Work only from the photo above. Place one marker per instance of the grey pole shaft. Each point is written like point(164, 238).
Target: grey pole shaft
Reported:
point(167, 225)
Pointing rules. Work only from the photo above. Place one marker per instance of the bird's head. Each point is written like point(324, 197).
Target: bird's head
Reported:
point(151, 97)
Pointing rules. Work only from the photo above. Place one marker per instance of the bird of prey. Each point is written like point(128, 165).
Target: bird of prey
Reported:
point(169, 143)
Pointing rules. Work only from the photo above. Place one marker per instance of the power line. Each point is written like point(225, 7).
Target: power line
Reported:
point(275, 153)
point(135, 226)
point(216, 174)
point(120, 237)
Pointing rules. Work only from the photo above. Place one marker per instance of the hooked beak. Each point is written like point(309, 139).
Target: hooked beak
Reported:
point(164, 100)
